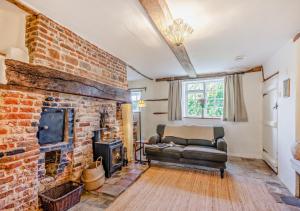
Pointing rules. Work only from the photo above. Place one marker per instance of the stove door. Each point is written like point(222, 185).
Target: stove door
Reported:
point(51, 129)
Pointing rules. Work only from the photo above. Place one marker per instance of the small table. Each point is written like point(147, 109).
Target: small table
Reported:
point(141, 147)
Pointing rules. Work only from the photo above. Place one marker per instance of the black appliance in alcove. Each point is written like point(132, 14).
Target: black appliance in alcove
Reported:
point(112, 153)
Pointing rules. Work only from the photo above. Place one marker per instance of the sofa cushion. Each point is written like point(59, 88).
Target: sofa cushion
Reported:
point(200, 142)
point(204, 153)
point(175, 140)
point(190, 132)
point(170, 152)
point(218, 132)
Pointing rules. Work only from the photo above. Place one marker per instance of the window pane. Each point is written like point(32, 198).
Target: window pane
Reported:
point(135, 97)
point(195, 86)
point(215, 99)
point(204, 98)
point(195, 108)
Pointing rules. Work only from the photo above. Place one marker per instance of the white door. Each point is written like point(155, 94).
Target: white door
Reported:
point(270, 108)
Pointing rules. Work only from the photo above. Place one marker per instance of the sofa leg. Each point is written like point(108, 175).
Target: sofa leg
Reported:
point(222, 172)
point(149, 162)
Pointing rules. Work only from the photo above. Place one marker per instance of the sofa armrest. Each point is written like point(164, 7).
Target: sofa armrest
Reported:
point(154, 140)
point(221, 145)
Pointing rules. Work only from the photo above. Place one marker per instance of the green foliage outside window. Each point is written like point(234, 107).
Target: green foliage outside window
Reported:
point(205, 98)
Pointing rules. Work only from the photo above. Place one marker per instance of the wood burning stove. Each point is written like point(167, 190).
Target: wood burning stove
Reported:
point(112, 154)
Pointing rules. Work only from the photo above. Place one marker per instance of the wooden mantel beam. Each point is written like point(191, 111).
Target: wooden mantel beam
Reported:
point(161, 18)
point(211, 75)
point(39, 77)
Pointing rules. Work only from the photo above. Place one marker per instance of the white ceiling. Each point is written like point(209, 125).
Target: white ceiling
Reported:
point(223, 30)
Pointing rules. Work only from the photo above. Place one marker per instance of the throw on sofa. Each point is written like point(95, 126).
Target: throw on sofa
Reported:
point(197, 145)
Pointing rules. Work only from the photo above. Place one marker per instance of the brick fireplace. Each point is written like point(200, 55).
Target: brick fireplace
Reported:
point(28, 166)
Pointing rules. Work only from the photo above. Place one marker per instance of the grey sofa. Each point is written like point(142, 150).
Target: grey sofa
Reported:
point(201, 152)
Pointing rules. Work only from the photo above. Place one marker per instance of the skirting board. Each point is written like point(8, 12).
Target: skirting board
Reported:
point(249, 156)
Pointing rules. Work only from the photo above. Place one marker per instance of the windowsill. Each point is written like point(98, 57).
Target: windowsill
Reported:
point(191, 117)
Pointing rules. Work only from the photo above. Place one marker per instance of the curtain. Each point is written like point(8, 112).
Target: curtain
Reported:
point(234, 105)
point(174, 101)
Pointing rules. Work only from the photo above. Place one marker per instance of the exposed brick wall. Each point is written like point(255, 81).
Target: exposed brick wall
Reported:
point(22, 171)
point(20, 151)
point(19, 115)
point(53, 45)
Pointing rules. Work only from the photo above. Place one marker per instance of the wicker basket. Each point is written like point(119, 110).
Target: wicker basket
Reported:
point(93, 176)
point(62, 197)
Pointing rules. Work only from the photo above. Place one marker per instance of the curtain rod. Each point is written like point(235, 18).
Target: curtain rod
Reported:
point(212, 75)
point(141, 88)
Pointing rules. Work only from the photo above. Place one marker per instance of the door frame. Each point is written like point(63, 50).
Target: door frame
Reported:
point(269, 86)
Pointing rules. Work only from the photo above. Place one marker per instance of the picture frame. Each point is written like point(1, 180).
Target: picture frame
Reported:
point(287, 88)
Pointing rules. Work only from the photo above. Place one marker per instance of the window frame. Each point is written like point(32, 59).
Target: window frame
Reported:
point(132, 102)
point(185, 93)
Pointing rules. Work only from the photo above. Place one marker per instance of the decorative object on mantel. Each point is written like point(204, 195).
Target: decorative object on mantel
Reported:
point(296, 150)
point(287, 88)
point(93, 176)
point(61, 197)
point(103, 118)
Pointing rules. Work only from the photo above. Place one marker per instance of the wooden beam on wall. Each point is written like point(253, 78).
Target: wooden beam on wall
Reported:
point(212, 75)
point(43, 78)
point(271, 76)
point(155, 100)
point(138, 72)
point(23, 7)
point(161, 18)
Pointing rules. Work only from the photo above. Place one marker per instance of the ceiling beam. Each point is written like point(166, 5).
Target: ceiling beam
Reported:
point(211, 75)
point(296, 37)
point(161, 18)
point(138, 72)
point(23, 7)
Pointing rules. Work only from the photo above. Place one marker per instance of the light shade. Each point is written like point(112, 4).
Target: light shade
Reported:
point(141, 104)
point(178, 31)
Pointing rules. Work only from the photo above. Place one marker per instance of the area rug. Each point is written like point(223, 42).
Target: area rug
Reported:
point(172, 188)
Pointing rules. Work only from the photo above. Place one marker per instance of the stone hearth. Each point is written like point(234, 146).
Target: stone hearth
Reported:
point(100, 199)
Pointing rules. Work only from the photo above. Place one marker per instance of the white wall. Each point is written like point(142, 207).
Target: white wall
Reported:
point(12, 28)
point(244, 139)
point(284, 61)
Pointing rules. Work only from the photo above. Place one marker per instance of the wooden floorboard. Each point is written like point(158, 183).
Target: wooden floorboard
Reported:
point(162, 188)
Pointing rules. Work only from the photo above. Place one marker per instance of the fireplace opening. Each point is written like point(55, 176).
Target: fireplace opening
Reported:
point(52, 161)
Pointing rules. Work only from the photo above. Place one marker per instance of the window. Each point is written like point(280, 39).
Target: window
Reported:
point(203, 98)
point(135, 97)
